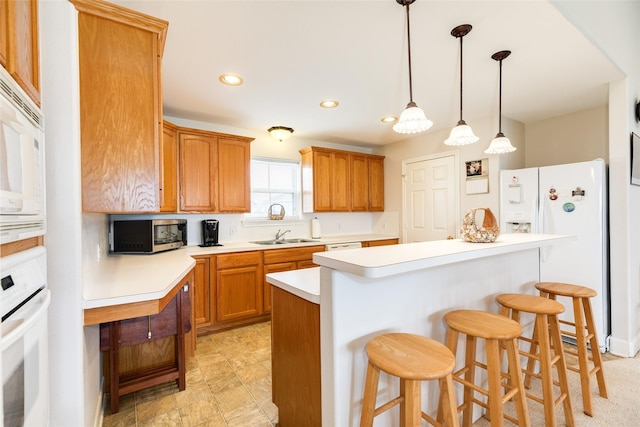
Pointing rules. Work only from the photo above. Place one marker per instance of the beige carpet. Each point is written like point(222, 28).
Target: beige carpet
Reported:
point(621, 409)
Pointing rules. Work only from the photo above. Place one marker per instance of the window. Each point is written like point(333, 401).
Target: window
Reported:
point(274, 181)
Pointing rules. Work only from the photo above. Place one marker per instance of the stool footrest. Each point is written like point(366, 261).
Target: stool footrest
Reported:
point(390, 404)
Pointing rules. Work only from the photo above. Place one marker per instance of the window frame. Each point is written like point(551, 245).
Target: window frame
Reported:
point(296, 190)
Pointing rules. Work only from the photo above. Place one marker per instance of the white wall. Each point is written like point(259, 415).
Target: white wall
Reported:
point(613, 26)
point(577, 137)
point(74, 352)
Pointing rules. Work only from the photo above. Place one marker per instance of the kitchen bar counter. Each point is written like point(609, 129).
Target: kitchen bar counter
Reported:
point(406, 288)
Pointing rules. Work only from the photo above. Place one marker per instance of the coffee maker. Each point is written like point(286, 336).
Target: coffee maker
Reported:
point(210, 233)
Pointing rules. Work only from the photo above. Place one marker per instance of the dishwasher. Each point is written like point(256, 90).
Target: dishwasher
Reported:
point(342, 246)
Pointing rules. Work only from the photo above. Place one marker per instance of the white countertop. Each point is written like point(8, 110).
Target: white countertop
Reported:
point(248, 246)
point(384, 261)
point(304, 283)
point(124, 279)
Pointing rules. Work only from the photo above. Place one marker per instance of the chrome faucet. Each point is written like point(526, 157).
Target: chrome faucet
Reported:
point(279, 236)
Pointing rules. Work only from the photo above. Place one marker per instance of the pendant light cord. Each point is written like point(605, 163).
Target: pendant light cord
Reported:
point(461, 37)
point(500, 102)
point(409, 47)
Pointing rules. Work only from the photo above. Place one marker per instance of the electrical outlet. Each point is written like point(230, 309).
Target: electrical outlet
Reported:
point(339, 226)
point(384, 226)
point(233, 229)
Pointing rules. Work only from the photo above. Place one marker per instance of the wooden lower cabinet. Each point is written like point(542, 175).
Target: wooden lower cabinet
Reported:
point(238, 286)
point(295, 360)
point(203, 297)
point(383, 242)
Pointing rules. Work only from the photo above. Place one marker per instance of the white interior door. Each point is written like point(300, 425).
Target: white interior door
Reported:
point(430, 198)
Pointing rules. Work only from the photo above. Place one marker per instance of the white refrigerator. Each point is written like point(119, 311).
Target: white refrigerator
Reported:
point(568, 199)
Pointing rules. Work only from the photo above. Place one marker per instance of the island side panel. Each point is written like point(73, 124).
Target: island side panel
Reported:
point(295, 359)
point(354, 309)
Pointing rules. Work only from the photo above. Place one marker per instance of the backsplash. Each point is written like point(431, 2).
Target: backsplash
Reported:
point(235, 228)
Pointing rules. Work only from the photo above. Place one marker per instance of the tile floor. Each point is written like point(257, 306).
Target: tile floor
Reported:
point(228, 385)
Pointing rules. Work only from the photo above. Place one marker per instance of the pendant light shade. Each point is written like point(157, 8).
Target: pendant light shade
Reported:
point(412, 119)
point(500, 144)
point(461, 134)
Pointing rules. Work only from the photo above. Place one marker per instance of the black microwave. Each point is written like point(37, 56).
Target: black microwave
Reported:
point(147, 236)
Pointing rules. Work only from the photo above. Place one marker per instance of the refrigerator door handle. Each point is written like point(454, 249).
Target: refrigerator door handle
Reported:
point(544, 250)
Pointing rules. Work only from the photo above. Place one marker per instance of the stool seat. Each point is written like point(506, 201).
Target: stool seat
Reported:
point(530, 303)
point(410, 356)
point(412, 359)
point(566, 289)
point(483, 324)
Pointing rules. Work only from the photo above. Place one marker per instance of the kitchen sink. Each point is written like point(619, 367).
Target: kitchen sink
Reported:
point(282, 242)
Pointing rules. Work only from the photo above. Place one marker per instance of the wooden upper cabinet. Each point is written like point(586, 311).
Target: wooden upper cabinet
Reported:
point(234, 176)
point(120, 54)
point(169, 169)
point(341, 181)
point(198, 172)
point(214, 171)
point(360, 179)
point(376, 183)
point(19, 52)
point(326, 183)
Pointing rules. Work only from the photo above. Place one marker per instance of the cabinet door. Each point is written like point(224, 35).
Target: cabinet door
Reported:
point(169, 170)
point(233, 175)
point(198, 172)
point(239, 286)
point(360, 183)
point(19, 50)
point(341, 182)
point(274, 268)
point(384, 242)
point(119, 54)
point(376, 184)
point(202, 302)
point(322, 177)
point(4, 32)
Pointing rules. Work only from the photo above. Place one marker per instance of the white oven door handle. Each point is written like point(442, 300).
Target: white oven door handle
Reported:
point(15, 327)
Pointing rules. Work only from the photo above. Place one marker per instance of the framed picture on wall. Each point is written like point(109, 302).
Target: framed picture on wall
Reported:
point(635, 159)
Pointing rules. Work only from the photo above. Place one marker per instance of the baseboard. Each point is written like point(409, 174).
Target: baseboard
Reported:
point(98, 419)
point(624, 348)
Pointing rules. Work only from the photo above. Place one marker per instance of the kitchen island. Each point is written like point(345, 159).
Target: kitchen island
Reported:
point(405, 288)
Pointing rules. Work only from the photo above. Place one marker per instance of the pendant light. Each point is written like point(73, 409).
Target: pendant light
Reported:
point(500, 144)
point(461, 134)
point(412, 119)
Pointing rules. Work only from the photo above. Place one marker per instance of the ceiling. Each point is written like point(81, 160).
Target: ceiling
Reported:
point(293, 54)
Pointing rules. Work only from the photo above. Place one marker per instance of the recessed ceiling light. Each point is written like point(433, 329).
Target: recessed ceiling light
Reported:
point(329, 103)
point(230, 79)
point(389, 119)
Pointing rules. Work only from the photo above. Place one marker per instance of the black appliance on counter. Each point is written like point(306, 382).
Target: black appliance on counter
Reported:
point(210, 228)
point(147, 236)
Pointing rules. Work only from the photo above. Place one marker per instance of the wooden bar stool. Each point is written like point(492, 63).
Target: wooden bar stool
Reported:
point(584, 332)
point(412, 358)
point(496, 330)
point(545, 338)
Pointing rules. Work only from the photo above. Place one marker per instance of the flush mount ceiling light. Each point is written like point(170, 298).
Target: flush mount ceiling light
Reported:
point(500, 144)
point(230, 79)
point(461, 134)
point(280, 132)
point(389, 119)
point(329, 103)
point(412, 119)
